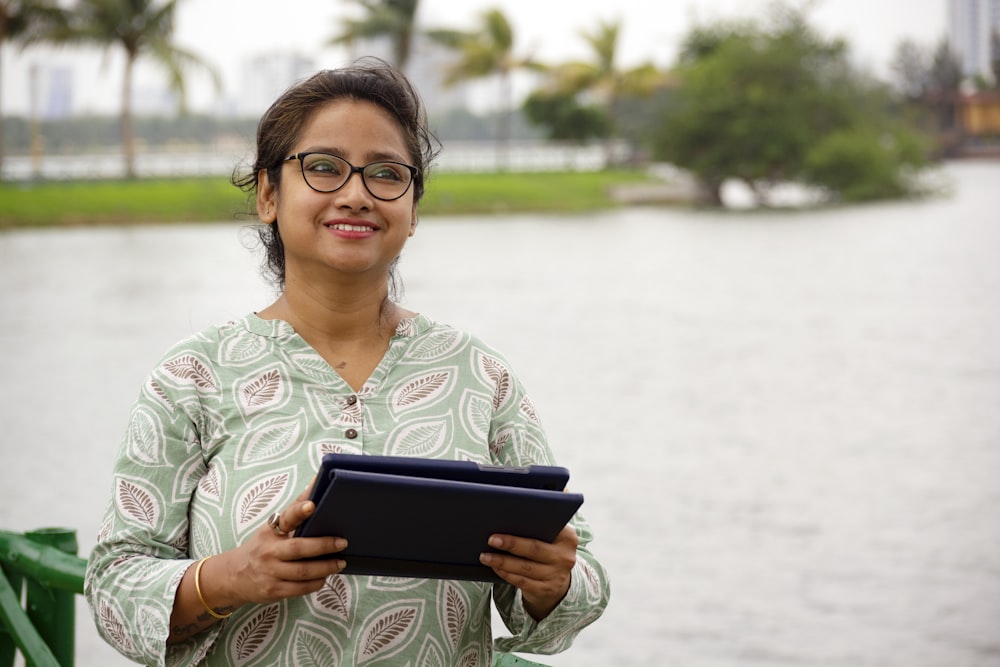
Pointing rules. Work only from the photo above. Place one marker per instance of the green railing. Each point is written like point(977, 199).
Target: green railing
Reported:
point(42, 569)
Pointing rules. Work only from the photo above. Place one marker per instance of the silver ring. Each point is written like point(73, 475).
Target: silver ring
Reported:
point(274, 521)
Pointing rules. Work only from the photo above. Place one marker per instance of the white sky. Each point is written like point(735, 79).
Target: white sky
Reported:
point(226, 33)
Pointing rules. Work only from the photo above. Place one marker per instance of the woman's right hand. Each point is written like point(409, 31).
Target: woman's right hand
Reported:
point(265, 568)
point(270, 566)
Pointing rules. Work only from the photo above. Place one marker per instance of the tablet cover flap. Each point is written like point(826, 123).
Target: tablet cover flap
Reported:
point(401, 525)
point(534, 476)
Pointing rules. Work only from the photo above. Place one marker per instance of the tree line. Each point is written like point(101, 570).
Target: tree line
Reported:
point(766, 101)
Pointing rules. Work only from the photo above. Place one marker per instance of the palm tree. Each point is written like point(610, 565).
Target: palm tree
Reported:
point(140, 27)
point(488, 51)
point(394, 19)
point(26, 22)
point(602, 79)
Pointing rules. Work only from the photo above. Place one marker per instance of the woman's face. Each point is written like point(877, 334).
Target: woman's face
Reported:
point(349, 232)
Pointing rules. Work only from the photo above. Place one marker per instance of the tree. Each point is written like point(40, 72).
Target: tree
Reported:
point(564, 118)
point(602, 80)
point(26, 22)
point(911, 69)
point(488, 51)
point(140, 27)
point(394, 19)
point(754, 103)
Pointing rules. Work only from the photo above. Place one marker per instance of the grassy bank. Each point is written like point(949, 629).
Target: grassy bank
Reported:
point(214, 199)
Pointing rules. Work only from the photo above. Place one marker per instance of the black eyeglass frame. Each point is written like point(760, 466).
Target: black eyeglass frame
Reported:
point(353, 170)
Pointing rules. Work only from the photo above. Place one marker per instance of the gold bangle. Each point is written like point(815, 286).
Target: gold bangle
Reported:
point(197, 589)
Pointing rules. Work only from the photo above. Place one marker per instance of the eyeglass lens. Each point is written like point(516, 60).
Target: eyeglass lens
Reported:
point(326, 173)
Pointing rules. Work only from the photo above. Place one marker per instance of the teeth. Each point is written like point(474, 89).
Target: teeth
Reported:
point(351, 228)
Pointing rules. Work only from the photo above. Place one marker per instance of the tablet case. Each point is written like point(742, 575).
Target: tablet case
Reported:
point(410, 517)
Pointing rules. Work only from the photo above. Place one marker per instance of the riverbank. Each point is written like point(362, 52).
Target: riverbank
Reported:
point(211, 199)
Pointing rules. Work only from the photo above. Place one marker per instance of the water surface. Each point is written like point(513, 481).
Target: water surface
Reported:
point(785, 423)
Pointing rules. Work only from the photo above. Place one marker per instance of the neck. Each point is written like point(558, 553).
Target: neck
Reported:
point(336, 315)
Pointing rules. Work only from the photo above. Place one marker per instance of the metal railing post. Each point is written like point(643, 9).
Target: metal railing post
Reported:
point(7, 644)
point(53, 611)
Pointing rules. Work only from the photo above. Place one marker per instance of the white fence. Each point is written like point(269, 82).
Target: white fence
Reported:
point(456, 157)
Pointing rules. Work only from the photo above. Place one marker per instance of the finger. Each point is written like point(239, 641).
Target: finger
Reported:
point(311, 558)
point(305, 548)
point(308, 490)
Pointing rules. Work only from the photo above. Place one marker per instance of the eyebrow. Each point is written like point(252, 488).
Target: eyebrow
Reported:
point(369, 157)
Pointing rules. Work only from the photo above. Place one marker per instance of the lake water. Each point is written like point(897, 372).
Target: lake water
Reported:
point(786, 424)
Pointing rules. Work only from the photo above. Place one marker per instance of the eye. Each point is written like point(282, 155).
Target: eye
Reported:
point(386, 171)
point(323, 165)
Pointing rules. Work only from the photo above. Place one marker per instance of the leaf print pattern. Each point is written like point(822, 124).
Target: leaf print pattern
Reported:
point(145, 440)
point(261, 391)
point(499, 376)
point(469, 659)
point(437, 345)
point(211, 484)
point(421, 438)
point(189, 473)
point(259, 499)
point(137, 502)
point(314, 366)
point(149, 618)
point(241, 349)
point(422, 390)
point(254, 634)
point(189, 369)
point(311, 646)
point(329, 407)
point(154, 390)
point(334, 599)
point(268, 442)
point(527, 409)
point(431, 654)
point(499, 443)
point(205, 539)
point(477, 412)
point(114, 629)
point(389, 629)
point(455, 610)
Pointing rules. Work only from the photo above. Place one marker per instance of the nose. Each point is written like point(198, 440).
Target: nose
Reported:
point(354, 193)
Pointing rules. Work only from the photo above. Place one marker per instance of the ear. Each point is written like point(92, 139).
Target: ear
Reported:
point(267, 199)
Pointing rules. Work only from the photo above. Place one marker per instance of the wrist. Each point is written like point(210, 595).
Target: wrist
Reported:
point(212, 589)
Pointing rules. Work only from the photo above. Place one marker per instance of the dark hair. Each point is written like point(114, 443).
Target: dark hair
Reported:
point(371, 80)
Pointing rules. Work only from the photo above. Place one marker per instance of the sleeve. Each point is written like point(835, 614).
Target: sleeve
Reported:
point(517, 438)
point(142, 547)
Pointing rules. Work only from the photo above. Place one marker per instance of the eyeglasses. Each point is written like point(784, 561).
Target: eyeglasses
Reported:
point(385, 180)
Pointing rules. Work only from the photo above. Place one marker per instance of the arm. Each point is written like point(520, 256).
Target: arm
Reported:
point(140, 579)
point(552, 591)
point(264, 569)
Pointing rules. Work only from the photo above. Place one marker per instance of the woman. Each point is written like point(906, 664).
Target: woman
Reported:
point(228, 429)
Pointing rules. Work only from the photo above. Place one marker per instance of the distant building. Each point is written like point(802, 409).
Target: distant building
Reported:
point(51, 91)
point(974, 35)
point(266, 76)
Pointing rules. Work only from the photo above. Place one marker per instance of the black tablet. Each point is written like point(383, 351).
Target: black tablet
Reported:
point(410, 517)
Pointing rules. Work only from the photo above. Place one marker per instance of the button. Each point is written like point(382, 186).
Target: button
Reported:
point(350, 434)
point(352, 399)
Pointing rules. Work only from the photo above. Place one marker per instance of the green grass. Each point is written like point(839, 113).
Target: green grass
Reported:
point(214, 199)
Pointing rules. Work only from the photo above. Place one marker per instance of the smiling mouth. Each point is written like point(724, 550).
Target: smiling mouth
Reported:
point(344, 227)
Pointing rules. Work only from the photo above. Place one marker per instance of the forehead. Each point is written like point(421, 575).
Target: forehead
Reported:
point(355, 126)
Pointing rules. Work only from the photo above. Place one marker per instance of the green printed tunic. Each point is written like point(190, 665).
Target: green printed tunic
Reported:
point(231, 426)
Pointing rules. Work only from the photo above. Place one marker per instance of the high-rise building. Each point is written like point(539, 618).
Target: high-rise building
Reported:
point(974, 35)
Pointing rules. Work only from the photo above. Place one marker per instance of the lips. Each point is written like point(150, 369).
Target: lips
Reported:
point(350, 227)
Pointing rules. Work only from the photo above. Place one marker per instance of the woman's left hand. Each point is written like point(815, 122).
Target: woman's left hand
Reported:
point(541, 570)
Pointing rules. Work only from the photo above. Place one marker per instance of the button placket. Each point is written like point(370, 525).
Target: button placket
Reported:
point(352, 415)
